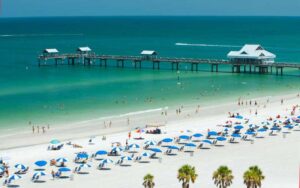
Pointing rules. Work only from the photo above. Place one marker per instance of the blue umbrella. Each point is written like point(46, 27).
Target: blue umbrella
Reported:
point(85, 166)
point(1, 170)
point(101, 152)
point(54, 142)
point(184, 137)
point(127, 158)
point(41, 163)
point(288, 126)
point(249, 133)
point(221, 138)
point(239, 127)
point(20, 166)
point(40, 173)
point(167, 140)
point(82, 156)
point(134, 146)
point(262, 130)
point(190, 145)
point(239, 117)
point(275, 129)
point(116, 149)
point(146, 154)
point(150, 143)
point(206, 141)
point(236, 135)
point(107, 161)
point(212, 133)
point(156, 150)
point(61, 160)
point(173, 147)
point(14, 177)
point(197, 135)
point(64, 169)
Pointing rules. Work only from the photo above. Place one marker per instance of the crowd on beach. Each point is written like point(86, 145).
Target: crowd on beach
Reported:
point(236, 128)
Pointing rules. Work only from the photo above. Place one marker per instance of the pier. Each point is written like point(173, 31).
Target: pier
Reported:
point(150, 59)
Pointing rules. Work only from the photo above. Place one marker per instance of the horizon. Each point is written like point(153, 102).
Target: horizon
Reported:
point(74, 8)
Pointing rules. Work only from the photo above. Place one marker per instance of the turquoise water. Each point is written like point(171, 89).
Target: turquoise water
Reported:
point(66, 94)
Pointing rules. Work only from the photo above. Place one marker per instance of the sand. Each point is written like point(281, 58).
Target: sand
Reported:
point(277, 156)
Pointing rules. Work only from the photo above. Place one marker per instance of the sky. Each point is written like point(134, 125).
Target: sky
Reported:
point(39, 8)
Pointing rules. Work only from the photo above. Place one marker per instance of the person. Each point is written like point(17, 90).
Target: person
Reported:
point(129, 135)
point(48, 126)
point(53, 174)
point(44, 130)
point(38, 129)
point(281, 101)
point(33, 129)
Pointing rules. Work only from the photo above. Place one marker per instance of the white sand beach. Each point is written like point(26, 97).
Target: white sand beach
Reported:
point(278, 156)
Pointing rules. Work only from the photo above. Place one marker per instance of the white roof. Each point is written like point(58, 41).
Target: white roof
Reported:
point(148, 52)
point(251, 51)
point(51, 50)
point(84, 49)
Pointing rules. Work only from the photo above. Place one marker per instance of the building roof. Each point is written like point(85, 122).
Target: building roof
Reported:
point(51, 50)
point(84, 49)
point(251, 51)
point(148, 52)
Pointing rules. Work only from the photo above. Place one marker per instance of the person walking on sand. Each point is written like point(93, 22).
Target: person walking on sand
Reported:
point(44, 130)
point(33, 129)
point(53, 174)
point(129, 135)
point(48, 126)
point(110, 123)
point(281, 101)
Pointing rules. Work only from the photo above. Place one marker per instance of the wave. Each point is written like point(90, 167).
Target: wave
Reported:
point(40, 35)
point(207, 45)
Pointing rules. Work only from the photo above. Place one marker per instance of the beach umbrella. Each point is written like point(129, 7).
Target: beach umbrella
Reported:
point(106, 161)
point(206, 141)
point(134, 146)
point(156, 150)
point(61, 160)
point(190, 145)
point(41, 163)
point(288, 126)
point(101, 152)
point(221, 138)
point(173, 147)
point(197, 135)
point(236, 135)
point(238, 127)
point(146, 154)
point(239, 117)
point(151, 143)
point(82, 156)
point(126, 158)
point(64, 169)
point(20, 166)
point(249, 133)
point(116, 149)
point(184, 137)
point(85, 166)
point(275, 128)
point(39, 173)
point(14, 177)
point(212, 133)
point(167, 140)
point(54, 142)
point(2, 170)
point(262, 130)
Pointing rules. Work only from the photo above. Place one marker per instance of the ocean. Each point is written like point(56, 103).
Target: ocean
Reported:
point(65, 94)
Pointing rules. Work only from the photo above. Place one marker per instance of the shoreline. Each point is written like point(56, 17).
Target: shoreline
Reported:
point(95, 127)
point(269, 153)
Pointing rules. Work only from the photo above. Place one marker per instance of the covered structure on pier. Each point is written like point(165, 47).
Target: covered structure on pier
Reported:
point(50, 52)
point(251, 54)
point(84, 50)
point(149, 54)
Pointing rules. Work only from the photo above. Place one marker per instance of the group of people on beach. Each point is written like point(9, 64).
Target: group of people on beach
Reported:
point(37, 129)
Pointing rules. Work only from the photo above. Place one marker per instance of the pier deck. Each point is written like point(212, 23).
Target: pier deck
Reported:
point(137, 61)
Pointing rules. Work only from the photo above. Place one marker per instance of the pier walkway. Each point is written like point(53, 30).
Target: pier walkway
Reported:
point(155, 62)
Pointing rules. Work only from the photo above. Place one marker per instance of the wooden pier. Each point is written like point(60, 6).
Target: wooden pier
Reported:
point(156, 62)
